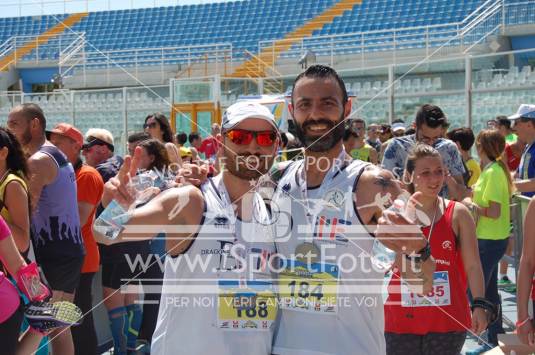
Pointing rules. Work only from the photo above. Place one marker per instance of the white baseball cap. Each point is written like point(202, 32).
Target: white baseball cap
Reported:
point(524, 110)
point(398, 126)
point(242, 110)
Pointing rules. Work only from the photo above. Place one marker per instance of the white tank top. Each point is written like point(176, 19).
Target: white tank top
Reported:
point(231, 263)
point(351, 320)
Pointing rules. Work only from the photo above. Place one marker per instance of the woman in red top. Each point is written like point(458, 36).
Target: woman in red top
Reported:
point(437, 323)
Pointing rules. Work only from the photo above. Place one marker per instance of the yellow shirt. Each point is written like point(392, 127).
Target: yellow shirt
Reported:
point(474, 170)
point(362, 153)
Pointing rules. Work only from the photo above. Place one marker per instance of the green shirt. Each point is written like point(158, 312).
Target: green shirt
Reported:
point(492, 185)
point(510, 138)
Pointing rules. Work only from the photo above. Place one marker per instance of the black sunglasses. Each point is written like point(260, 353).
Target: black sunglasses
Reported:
point(92, 141)
point(526, 119)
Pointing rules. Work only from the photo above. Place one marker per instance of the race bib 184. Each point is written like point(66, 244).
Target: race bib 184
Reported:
point(438, 296)
point(309, 288)
point(246, 305)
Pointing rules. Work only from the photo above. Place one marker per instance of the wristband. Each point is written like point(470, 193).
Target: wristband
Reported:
point(422, 255)
point(490, 308)
point(29, 282)
point(518, 324)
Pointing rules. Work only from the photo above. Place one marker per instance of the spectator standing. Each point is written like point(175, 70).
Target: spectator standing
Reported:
point(195, 142)
point(373, 136)
point(503, 124)
point(89, 192)
point(490, 207)
point(524, 126)
point(359, 149)
point(14, 190)
point(464, 139)
point(430, 125)
point(210, 145)
point(158, 127)
point(98, 151)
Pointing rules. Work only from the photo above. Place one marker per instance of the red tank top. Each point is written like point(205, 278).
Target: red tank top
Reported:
point(420, 315)
point(513, 161)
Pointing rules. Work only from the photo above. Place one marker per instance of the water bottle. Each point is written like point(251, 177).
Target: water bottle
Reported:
point(111, 221)
point(382, 257)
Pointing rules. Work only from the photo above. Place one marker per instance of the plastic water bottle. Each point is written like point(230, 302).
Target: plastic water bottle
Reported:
point(382, 257)
point(111, 221)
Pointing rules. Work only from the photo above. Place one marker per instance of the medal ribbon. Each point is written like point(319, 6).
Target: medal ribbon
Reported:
point(339, 163)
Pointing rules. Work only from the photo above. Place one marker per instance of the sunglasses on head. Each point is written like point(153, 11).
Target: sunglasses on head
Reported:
point(150, 125)
point(244, 137)
point(92, 141)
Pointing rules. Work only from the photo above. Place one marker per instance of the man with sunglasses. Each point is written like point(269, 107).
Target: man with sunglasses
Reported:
point(98, 152)
point(227, 306)
point(524, 127)
point(431, 122)
point(325, 213)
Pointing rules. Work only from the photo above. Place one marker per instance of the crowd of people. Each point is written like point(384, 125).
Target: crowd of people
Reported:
point(285, 226)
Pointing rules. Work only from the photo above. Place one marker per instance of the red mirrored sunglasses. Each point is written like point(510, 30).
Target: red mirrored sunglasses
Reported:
point(244, 137)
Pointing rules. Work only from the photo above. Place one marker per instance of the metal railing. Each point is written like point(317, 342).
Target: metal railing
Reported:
point(518, 211)
point(46, 47)
point(79, 60)
point(451, 38)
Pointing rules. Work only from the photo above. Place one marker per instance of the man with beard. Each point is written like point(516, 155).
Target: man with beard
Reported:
point(328, 201)
point(228, 305)
point(55, 223)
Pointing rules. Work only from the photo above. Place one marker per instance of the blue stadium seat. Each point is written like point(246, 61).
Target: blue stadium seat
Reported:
point(242, 23)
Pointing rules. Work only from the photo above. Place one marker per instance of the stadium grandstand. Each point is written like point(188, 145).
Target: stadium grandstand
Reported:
point(101, 67)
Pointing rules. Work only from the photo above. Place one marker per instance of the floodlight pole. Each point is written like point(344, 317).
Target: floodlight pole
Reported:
point(468, 89)
point(390, 93)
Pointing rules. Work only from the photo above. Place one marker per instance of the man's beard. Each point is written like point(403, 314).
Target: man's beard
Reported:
point(321, 143)
point(26, 137)
point(247, 166)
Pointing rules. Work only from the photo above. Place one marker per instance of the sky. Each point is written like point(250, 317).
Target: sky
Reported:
point(14, 8)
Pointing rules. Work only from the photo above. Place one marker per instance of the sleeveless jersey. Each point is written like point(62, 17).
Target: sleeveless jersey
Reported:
point(445, 308)
point(362, 153)
point(334, 307)
point(55, 227)
point(9, 178)
point(229, 258)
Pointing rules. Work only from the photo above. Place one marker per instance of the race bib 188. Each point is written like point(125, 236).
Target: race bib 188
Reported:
point(246, 305)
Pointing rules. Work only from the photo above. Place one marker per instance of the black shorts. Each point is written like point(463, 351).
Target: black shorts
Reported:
point(450, 343)
point(117, 271)
point(115, 275)
point(62, 273)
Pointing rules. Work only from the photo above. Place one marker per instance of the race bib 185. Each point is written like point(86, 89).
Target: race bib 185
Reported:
point(438, 296)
